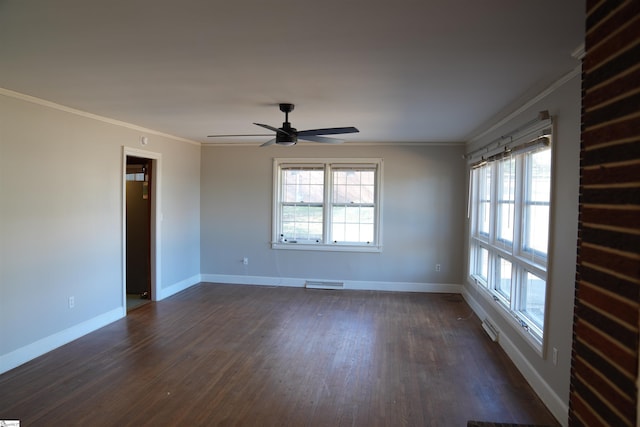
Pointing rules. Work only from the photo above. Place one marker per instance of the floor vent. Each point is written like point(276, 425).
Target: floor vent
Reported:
point(490, 330)
point(314, 284)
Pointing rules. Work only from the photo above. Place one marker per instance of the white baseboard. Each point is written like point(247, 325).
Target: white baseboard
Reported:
point(177, 287)
point(253, 280)
point(31, 351)
point(558, 407)
point(348, 284)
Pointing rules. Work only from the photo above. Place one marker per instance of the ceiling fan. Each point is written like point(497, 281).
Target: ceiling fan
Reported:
point(287, 135)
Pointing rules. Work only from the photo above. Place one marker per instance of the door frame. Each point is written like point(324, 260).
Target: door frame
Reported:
point(156, 220)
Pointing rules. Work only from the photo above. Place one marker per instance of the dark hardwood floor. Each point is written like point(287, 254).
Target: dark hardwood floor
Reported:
point(274, 356)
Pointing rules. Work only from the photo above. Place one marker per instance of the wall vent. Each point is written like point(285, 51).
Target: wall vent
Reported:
point(315, 284)
point(490, 330)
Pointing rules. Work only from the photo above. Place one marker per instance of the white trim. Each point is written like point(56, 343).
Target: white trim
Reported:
point(38, 348)
point(348, 284)
point(156, 220)
point(527, 105)
point(558, 407)
point(39, 101)
point(326, 247)
point(579, 52)
point(327, 164)
point(178, 287)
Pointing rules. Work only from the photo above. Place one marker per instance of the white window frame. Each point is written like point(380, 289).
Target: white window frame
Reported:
point(326, 243)
point(522, 261)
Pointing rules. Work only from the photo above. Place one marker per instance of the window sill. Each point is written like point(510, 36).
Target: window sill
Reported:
point(325, 247)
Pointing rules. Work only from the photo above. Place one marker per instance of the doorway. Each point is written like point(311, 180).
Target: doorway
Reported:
point(139, 195)
point(140, 227)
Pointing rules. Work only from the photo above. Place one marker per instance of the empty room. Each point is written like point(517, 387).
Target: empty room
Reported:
point(285, 213)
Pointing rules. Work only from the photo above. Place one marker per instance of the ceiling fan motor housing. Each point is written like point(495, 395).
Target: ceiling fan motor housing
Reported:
point(288, 136)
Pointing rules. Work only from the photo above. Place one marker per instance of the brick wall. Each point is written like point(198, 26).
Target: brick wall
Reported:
point(606, 318)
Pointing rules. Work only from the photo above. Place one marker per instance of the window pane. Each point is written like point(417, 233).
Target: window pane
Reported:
point(483, 263)
point(353, 186)
point(484, 199)
point(366, 215)
point(352, 224)
point(352, 233)
point(338, 232)
point(534, 294)
point(301, 222)
point(303, 186)
point(353, 215)
point(480, 263)
point(506, 199)
point(503, 278)
point(536, 212)
point(339, 214)
point(315, 231)
point(540, 171)
point(366, 233)
point(538, 229)
point(505, 222)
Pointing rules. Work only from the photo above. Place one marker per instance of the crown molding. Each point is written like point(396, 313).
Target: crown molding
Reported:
point(579, 52)
point(49, 104)
point(548, 91)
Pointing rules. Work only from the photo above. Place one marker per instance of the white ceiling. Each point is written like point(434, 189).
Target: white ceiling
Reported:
point(400, 71)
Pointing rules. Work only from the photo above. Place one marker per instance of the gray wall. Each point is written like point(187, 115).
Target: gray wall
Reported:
point(423, 212)
point(552, 380)
point(61, 222)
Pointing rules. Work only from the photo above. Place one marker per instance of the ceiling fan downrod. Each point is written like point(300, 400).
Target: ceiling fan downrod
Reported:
point(287, 135)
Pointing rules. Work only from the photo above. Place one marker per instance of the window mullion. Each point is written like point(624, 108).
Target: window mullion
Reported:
point(518, 222)
point(516, 287)
point(328, 205)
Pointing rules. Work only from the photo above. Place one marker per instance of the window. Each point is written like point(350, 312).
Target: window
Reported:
point(510, 204)
point(301, 206)
point(329, 204)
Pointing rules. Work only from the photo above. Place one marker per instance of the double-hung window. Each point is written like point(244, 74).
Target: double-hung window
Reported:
point(327, 204)
point(509, 235)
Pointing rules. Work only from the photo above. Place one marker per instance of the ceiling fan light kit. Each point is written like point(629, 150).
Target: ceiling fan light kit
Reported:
point(288, 135)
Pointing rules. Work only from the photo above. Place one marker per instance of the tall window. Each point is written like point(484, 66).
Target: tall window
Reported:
point(328, 204)
point(510, 202)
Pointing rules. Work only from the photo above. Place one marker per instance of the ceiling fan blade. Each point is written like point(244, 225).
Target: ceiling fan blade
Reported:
point(269, 142)
point(276, 130)
point(327, 131)
point(315, 138)
point(239, 135)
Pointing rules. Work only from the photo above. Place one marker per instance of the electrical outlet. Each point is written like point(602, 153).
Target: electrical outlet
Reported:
point(245, 261)
point(555, 356)
point(437, 267)
point(72, 302)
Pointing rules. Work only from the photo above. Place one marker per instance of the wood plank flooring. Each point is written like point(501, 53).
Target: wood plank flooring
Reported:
point(233, 355)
